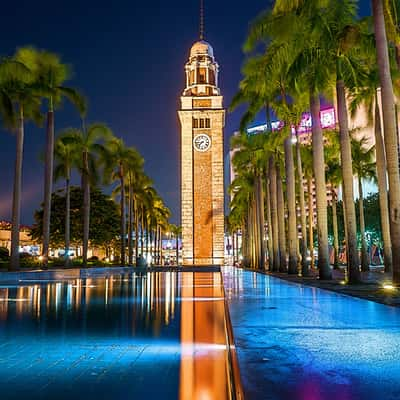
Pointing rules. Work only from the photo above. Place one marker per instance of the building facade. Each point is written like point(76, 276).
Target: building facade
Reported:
point(202, 119)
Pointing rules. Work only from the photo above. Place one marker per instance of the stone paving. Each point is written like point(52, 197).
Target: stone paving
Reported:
point(371, 288)
point(296, 342)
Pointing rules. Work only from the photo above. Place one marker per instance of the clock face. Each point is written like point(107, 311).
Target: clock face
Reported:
point(202, 142)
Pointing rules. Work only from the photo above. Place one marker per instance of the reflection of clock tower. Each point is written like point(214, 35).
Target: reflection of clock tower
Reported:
point(202, 120)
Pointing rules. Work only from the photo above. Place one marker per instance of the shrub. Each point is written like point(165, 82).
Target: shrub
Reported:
point(4, 254)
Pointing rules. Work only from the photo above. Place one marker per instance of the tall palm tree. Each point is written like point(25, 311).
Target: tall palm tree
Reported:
point(117, 160)
point(89, 143)
point(306, 156)
point(21, 101)
point(365, 168)
point(66, 159)
point(390, 133)
point(367, 96)
point(334, 178)
point(51, 74)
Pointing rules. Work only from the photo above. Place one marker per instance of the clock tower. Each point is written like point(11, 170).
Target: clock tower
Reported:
point(202, 119)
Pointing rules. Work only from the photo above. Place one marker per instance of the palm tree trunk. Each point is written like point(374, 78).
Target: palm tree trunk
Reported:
point(252, 231)
point(237, 246)
point(274, 214)
point(364, 250)
point(67, 220)
point(382, 189)
point(161, 252)
point(86, 208)
point(311, 221)
point(345, 229)
point(123, 216)
point(48, 183)
point(135, 207)
point(156, 247)
point(291, 201)
point(390, 135)
point(303, 218)
point(244, 240)
point(150, 238)
point(147, 237)
point(233, 248)
point(142, 230)
point(353, 262)
point(320, 188)
point(335, 230)
point(130, 226)
point(261, 222)
point(270, 239)
point(281, 221)
point(16, 205)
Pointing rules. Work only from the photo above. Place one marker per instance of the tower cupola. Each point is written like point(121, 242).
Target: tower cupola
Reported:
point(201, 71)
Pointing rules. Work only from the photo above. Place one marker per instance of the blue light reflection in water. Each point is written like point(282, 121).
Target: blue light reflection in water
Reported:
point(301, 343)
point(113, 336)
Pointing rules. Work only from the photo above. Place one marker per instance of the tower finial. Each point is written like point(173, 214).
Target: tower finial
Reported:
point(201, 19)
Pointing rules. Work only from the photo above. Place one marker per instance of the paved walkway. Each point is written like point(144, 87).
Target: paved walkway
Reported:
point(296, 342)
point(371, 288)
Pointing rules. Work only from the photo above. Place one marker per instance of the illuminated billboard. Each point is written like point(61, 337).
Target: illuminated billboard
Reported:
point(327, 118)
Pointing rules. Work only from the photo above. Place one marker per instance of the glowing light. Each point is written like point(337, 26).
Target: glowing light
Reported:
point(202, 299)
point(14, 300)
point(388, 286)
point(84, 286)
point(41, 258)
point(308, 258)
point(342, 282)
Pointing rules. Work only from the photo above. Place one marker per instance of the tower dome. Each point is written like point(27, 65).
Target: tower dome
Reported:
point(201, 48)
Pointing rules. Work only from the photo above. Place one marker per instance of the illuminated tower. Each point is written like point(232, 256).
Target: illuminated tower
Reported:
point(202, 119)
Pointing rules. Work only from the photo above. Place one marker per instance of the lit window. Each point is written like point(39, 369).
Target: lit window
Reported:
point(195, 123)
point(208, 123)
point(201, 122)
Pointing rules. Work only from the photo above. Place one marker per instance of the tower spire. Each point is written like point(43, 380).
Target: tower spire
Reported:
point(201, 19)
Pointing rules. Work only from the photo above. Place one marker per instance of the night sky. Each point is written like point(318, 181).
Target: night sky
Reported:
point(128, 58)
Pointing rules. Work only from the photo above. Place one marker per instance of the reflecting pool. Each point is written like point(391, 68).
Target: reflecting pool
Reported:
point(116, 334)
point(301, 343)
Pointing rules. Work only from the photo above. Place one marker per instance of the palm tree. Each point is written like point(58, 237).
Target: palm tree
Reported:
point(89, 144)
point(334, 178)
point(117, 160)
point(365, 168)
point(20, 102)
point(306, 156)
point(366, 95)
point(249, 158)
point(390, 133)
point(51, 74)
point(66, 160)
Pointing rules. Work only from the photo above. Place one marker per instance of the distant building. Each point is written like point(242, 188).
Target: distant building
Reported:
point(27, 245)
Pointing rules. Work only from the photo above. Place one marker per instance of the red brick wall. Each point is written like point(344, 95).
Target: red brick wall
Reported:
point(202, 198)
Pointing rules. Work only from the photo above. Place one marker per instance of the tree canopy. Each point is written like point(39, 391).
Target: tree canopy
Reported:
point(104, 215)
